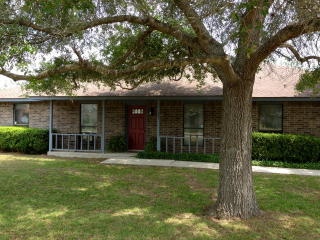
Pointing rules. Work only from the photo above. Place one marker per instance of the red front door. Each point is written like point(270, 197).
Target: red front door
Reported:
point(136, 127)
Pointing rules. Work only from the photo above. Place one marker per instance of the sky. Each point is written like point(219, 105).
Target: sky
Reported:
point(6, 82)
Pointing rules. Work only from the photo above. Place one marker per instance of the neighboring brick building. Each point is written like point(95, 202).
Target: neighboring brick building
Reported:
point(185, 117)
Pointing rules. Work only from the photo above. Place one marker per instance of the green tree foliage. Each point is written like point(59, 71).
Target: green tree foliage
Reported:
point(45, 36)
point(309, 81)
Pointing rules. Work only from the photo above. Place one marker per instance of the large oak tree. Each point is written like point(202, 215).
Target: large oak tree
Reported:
point(60, 44)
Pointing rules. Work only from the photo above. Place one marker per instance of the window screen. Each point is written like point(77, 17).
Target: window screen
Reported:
point(21, 114)
point(89, 118)
point(270, 117)
point(193, 124)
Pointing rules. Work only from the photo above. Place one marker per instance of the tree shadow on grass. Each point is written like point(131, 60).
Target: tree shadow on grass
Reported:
point(61, 199)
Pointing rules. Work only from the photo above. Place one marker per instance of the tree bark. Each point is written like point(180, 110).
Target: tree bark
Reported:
point(236, 196)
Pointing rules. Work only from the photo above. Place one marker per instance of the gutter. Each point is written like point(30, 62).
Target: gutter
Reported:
point(19, 100)
point(184, 98)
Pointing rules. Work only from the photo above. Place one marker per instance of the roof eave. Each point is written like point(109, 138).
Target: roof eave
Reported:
point(203, 98)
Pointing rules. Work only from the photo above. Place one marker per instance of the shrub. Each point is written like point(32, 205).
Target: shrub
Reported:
point(285, 148)
point(180, 156)
point(308, 165)
point(266, 147)
point(24, 140)
point(117, 144)
point(151, 145)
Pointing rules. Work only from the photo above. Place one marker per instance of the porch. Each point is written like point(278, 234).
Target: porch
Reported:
point(136, 121)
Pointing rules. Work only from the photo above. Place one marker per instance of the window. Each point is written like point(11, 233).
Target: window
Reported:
point(270, 117)
point(89, 118)
point(193, 124)
point(21, 114)
point(136, 111)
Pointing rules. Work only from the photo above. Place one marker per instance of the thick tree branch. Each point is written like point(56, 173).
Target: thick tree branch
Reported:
point(28, 24)
point(250, 29)
point(42, 75)
point(207, 42)
point(153, 64)
point(165, 28)
point(223, 66)
point(289, 32)
point(77, 52)
point(135, 48)
point(128, 86)
point(222, 63)
point(297, 54)
point(110, 71)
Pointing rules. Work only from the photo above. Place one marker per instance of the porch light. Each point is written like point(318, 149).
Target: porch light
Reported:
point(151, 111)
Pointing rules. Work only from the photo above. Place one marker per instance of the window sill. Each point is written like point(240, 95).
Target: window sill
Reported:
point(270, 131)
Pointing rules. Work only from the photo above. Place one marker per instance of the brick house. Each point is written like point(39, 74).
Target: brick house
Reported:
point(181, 116)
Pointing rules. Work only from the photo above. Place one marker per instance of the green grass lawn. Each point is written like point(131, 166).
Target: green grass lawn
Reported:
point(52, 198)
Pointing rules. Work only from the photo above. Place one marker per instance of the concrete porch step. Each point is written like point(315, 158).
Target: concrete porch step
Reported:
point(90, 155)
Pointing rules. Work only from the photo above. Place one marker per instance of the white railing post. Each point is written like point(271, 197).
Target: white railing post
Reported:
point(63, 141)
point(174, 144)
point(166, 143)
point(158, 127)
point(103, 127)
point(50, 126)
point(197, 146)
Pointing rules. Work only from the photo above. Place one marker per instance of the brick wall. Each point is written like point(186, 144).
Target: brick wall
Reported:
point(301, 118)
point(115, 119)
point(298, 117)
point(66, 116)
point(6, 114)
point(172, 124)
point(171, 118)
point(151, 121)
point(212, 119)
point(39, 115)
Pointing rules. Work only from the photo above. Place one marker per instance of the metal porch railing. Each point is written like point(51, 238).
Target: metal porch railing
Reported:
point(77, 142)
point(200, 144)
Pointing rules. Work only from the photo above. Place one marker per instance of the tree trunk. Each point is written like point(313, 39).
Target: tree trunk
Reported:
point(236, 197)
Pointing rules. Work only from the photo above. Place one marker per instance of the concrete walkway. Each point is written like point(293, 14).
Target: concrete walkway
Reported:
point(129, 159)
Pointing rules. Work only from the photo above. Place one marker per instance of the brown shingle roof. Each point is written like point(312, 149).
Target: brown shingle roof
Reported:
point(15, 92)
point(271, 81)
